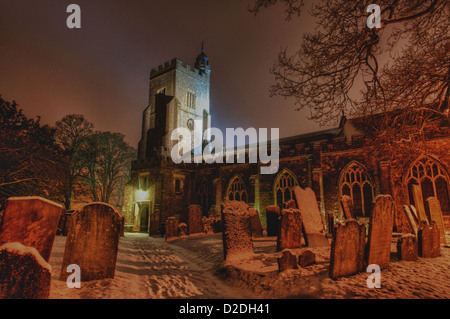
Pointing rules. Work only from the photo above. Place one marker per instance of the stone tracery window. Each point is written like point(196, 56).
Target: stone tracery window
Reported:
point(283, 188)
point(355, 182)
point(433, 179)
point(237, 190)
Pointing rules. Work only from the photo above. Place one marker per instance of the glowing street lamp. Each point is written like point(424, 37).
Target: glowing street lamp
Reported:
point(141, 195)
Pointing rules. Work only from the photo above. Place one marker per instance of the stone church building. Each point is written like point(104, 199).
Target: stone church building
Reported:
point(333, 162)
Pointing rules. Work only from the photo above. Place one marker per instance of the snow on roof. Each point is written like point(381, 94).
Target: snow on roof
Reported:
point(34, 198)
point(20, 249)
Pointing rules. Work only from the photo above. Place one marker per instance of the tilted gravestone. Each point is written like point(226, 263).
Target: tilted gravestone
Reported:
point(315, 235)
point(407, 247)
point(255, 223)
point(436, 215)
point(24, 274)
point(381, 224)
point(195, 219)
point(306, 258)
point(31, 221)
point(419, 205)
point(347, 249)
point(93, 242)
point(273, 220)
point(237, 233)
point(429, 241)
point(287, 261)
point(414, 213)
point(171, 227)
point(411, 221)
point(347, 206)
point(290, 233)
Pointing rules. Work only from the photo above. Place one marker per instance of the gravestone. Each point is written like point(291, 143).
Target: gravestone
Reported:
point(381, 224)
point(171, 227)
point(68, 222)
point(273, 220)
point(411, 221)
point(208, 224)
point(93, 242)
point(315, 235)
point(306, 258)
point(407, 247)
point(414, 213)
point(290, 232)
point(287, 261)
point(255, 223)
point(290, 204)
point(182, 230)
point(418, 201)
point(429, 241)
point(31, 221)
point(347, 249)
point(195, 219)
point(237, 233)
point(330, 221)
point(436, 215)
point(347, 206)
point(24, 274)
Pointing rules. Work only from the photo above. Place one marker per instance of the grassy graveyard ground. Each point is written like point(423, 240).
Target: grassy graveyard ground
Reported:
point(193, 267)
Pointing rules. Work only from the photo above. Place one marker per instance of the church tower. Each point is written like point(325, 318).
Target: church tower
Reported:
point(178, 97)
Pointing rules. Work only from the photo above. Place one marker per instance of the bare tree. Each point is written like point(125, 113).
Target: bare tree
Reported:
point(71, 135)
point(346, 66)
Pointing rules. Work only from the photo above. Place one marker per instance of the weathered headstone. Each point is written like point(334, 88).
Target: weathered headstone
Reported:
point(429, 241)
point(381, 224)
point(315, 235)
point(407, 247)
point(436, 215)
point(195, 219)
point(171, 227)
point(208, 225)
point(93, 242)
point(418, 201)
point(290, 233)
point(306, 258)
point(287, 261)
point(24, 274)
point(290, 204)
point(255, 223)
point(414, 213)
point(182, 230)
point(411, 221)
point(273, 220)
point(237, 234)
point(347, 248)
point(31, 221)
point(347, 206)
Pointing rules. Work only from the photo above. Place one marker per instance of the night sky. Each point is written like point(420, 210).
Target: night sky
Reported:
point(102, 70)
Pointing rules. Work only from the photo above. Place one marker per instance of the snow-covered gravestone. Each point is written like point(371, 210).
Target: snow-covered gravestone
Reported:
point(272, 216)
point(429, 241)
point(312, 219)
point(31, 221)
point(93, 242)
point(381, 224)
point(418, 201)
point(24, 274)
point(407, 247)
point(287, 261)
point(347, 249)
point(255, 223)
point(237, 234)
point(290, 232)
point(195, 219)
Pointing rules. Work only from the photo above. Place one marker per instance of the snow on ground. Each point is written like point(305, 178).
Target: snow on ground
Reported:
point(193, 267)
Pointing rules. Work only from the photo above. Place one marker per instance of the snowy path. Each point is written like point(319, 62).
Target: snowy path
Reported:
point(150, 268)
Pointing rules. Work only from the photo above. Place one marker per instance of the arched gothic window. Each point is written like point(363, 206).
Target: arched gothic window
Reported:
point(355, 182)
point(236, 189)
point(433, 180)
point(283, 187)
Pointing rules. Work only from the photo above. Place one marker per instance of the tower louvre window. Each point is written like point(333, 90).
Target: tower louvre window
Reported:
point(191, 99)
